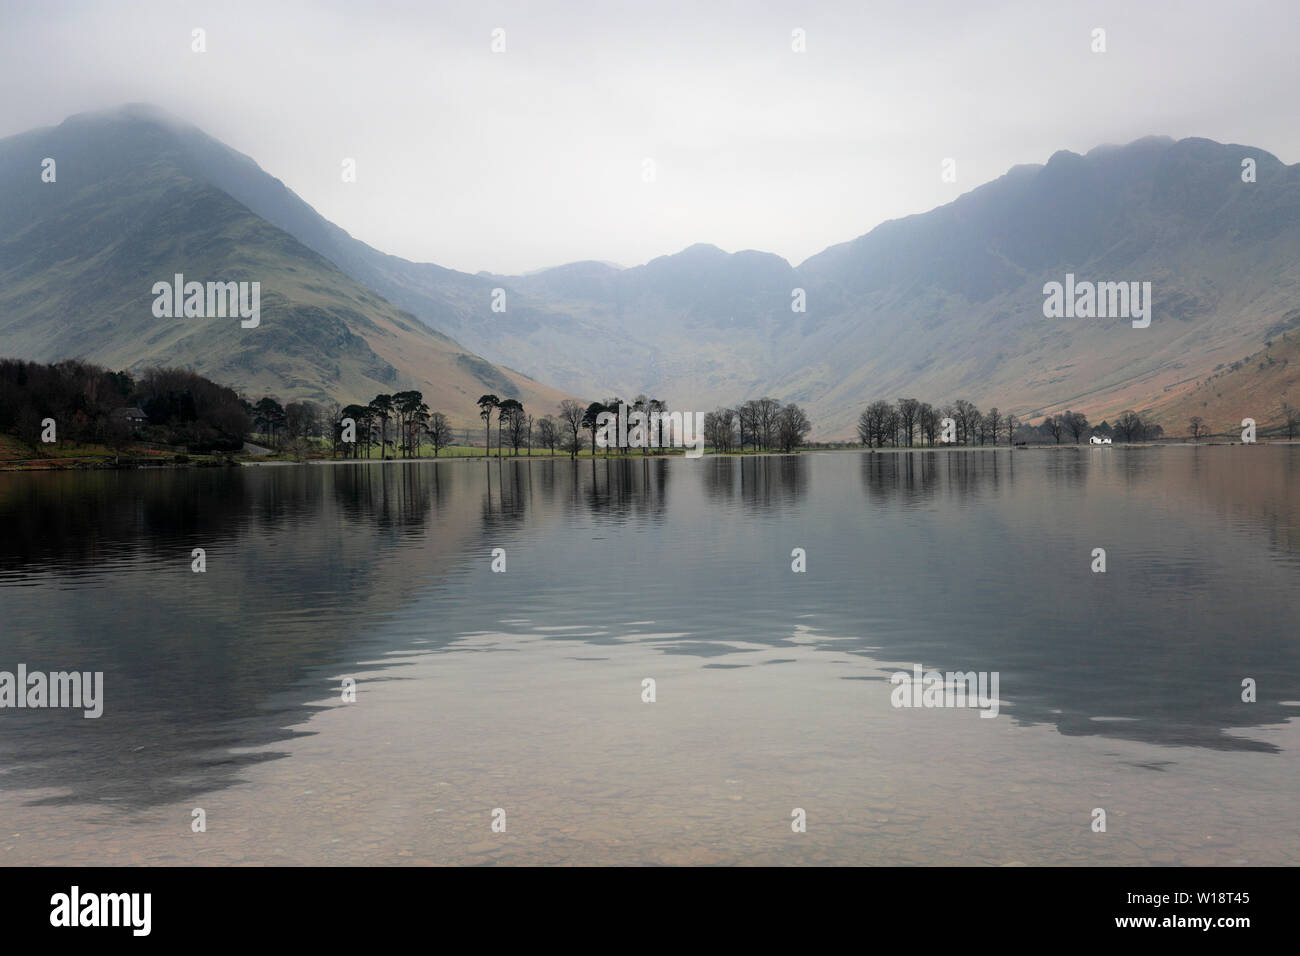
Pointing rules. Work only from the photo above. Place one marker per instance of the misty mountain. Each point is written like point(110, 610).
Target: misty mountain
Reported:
point(940, 305)
point(949, 303)
point(136, 200)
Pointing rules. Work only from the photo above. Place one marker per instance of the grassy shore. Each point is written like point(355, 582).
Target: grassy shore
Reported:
point(16, 455)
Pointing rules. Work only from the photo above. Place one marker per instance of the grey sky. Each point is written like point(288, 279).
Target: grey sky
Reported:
point(529, 158)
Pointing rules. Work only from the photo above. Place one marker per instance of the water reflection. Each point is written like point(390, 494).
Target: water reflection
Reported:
point(761, 484)
point(974, 560)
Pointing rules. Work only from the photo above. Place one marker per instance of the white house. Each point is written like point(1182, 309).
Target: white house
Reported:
point(1098, 440)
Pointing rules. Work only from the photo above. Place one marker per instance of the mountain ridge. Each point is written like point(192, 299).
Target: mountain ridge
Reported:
point(79, 256)
point(940, 304)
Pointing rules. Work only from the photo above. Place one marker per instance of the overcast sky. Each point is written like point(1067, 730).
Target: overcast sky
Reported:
point(514, 161)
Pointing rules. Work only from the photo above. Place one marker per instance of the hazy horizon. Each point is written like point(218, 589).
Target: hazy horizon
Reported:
point(523, 160)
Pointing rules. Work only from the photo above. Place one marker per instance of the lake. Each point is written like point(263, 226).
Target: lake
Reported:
point(519, 696)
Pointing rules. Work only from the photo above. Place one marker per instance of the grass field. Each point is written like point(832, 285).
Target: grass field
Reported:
point(17, 455)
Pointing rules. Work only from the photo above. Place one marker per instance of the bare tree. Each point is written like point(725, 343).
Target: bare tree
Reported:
point(1055, 425)
point(993, 425)
point(572, 443)
point(747, 419)
point(301, 420)
point(439, 432)
point(894, 425)
point(1009, 425)
point(572, 415)
point(874, 423)
point(792, 426)
point(768, 410)
point(548, 433)
point(1077, 423)
point(909, 410)
point(964, 413)
point(865, 430)
point(1129, 426)
point(330, 415)
point(720, 429)
point(927, 420)
point(1197, 427)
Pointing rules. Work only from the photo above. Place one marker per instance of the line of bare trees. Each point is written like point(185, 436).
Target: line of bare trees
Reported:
point(909, 422)
point(763, 424)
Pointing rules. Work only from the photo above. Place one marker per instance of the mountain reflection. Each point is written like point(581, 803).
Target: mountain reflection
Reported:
point(971, 560)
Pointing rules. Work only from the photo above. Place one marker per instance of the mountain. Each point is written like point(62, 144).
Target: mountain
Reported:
point(940, 305)
point(697, 328)
point(1253, 386)
point(949, 303)
point(592, 328)
point(137, 198)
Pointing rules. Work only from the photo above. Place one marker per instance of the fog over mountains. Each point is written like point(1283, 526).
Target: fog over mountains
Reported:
point(138, 198)
point(942, 305)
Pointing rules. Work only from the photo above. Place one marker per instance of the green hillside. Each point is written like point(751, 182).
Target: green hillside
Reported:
point(79, 258)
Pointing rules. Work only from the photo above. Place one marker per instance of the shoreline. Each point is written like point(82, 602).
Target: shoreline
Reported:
point(100, 464)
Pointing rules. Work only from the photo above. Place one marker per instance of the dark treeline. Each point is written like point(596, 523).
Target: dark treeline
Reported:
point(90, 404)
point(408, 414)
point(910, 422)
point(763, 424)
point(515, 426)
point(401, 422)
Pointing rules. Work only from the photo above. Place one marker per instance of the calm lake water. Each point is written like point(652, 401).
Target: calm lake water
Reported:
point(522, 690)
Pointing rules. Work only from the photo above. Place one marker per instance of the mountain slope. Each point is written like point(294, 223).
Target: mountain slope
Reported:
point(78, 259)
point(940, 305)
point(1252, 386)
point(952, 300)
point(949, 303)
